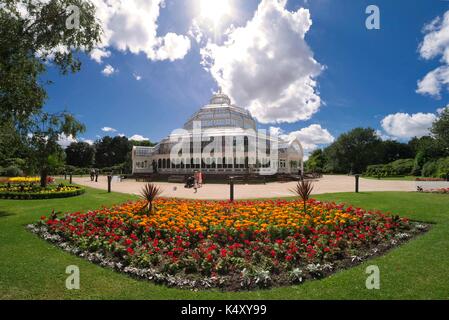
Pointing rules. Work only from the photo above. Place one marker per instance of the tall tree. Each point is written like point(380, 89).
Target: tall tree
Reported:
point(353, 151)
point(80, 154)
point(440, 129)
point(46, 131)
point(394, 150)
point(33, 32)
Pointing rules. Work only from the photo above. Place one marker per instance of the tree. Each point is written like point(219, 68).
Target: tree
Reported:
point(353, 151)
point(440, 129)
point(32, 33)
point(316, 161)
point(111, 151)
point(394, 150)
point(46, 131)
point(80, 154)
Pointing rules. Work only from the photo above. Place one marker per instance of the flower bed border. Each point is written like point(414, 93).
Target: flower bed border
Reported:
point(246, 282)
point(42, 196)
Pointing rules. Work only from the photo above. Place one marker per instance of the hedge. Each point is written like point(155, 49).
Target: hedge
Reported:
point(41, 196)
point(396, 168)
point(437, 168)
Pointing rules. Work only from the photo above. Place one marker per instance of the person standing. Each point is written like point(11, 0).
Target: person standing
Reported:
point(200, 179)
point(97, 172)
point(92, 174)
point(195, 183)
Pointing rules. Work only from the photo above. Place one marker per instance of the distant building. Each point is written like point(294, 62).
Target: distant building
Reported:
point(238, 147)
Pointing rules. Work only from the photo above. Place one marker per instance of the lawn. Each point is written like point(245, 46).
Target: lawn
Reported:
point(31, 268)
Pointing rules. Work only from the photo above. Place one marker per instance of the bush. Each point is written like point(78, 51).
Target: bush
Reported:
point(436, 168)
point(11, 171)
point(402, 166)
point(396, 168)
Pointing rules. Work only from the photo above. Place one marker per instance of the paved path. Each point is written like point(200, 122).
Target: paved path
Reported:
point(328, 184)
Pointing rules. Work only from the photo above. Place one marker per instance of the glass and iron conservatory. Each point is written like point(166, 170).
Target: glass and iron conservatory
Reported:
point(220, 138)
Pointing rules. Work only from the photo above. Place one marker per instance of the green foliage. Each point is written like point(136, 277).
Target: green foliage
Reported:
point(28, 41)
point(440, 129)
point(316, 162)
point(80, 154)
point(46, 131)
point(11, 171)
point(437, 168)
point(353, 151)
point(396, 168)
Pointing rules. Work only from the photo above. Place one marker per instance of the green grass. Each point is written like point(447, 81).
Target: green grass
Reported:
point(404, 178)
point(31, 268)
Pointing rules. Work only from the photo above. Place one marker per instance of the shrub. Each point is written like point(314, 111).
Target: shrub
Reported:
point(430, 169)
point(11, 171)
point(399, 167)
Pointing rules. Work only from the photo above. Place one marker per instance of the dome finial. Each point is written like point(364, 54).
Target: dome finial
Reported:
point(220, 98)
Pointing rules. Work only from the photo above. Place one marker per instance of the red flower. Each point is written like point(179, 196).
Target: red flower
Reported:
point(43, 217)
point(223, 253)
point(130, 251)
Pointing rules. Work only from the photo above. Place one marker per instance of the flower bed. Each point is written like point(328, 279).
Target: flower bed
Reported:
point(16, 180)
point(440, 190)
point(34, 192)
point(241, 245)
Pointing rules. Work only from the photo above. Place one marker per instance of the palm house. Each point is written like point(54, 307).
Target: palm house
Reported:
point(220, 139)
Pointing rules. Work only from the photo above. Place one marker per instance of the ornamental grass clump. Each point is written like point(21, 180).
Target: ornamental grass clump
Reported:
point(149, 193)
point(303, 190)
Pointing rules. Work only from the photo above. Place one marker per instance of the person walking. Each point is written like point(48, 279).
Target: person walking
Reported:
point(92, 174)
point(97, 172)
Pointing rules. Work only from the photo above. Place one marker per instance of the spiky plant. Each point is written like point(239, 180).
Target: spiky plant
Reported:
point(149, 193)
point(303, 189)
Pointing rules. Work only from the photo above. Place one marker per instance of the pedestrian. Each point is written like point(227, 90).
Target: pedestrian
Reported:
point(200, 179)
point(195, 183)
point(97, 172)
point(92, 174)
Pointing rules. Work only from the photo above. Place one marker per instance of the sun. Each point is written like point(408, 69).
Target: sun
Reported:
point(215, 10)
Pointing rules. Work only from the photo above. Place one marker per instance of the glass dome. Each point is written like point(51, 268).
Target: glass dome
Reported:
point(220, 113)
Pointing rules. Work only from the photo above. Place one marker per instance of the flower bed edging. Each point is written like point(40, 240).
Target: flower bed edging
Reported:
point(240, 279)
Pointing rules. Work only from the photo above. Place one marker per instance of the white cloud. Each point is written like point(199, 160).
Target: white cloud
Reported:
point(440, 110)
point(88, 141)
point(64, 141)
point(98, 54)
point(404, 125)
point(132, 26)
point(267, 66)
point(137, 77)
point(311, 137)
point(108, 70)
point(138, 137)
point(434, 44)
point(108, 129)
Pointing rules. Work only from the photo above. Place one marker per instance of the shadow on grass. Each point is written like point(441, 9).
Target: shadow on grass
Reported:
point(4, 214)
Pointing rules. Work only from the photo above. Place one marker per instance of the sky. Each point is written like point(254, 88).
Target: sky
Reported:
point(307, 69)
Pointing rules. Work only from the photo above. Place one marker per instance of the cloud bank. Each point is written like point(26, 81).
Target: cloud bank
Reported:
point(267, 65)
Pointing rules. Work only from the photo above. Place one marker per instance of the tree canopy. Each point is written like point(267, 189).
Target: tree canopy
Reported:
point(33, 33)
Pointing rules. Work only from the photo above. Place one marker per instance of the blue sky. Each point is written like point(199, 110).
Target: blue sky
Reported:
point(366, 75)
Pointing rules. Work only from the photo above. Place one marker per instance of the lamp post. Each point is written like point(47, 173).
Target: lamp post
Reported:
point(357, 177)
point(109, 183)
point(231, 189)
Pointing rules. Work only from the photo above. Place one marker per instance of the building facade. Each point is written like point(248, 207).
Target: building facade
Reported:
point(221, 139)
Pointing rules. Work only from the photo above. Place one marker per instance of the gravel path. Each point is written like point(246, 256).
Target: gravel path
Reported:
point(328, 184)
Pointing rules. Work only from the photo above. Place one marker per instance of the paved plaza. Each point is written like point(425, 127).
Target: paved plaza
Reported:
point(327, 184)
